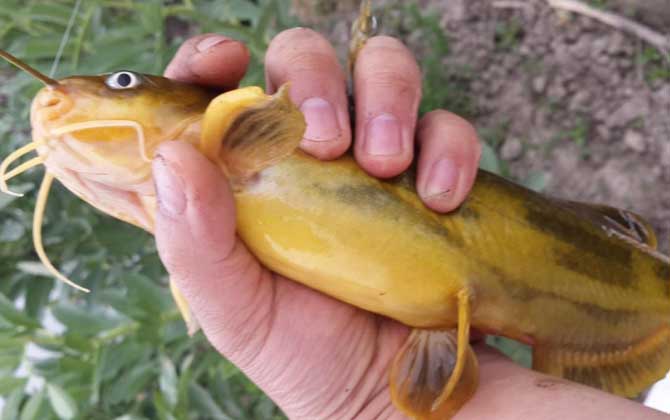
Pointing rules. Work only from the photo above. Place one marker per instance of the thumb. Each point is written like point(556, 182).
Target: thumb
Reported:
point(195, 234)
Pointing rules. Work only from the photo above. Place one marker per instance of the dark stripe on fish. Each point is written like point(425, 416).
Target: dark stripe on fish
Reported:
point(587, 242)
point(467, 212)
point(662, 270)
point(595, 268)
point(370, 197)
point(524, 293)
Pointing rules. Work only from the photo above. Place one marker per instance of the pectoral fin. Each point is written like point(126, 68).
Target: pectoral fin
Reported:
point(436, 372)
point(192, 325)
point(245, 131)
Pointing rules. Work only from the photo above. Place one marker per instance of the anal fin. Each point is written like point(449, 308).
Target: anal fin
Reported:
point(436, 371)
point(623, 371)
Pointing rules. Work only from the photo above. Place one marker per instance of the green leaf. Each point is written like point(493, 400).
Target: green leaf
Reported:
point(519, 352)
point(10, 362)
point(117, 238)
point(536, 181)
point(151, 15)
point(10, 384)
point(13, 315)
point(127, 387)
point(62, 403)
point(168, 381)
point(34, 268)
point(201, 399)
point(12, 404)
point(11, 230)
point(162, 408)
point(84, 321)
point(35, 408)
point(37, 296)
point(148, 294)
point(489, 160)
point(130, 417)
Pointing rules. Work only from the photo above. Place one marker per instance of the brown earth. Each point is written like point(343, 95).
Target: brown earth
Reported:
point(560, 95)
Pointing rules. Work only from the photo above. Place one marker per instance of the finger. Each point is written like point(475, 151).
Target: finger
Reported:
point(306, 59)
point(448, 159)
point(210, 60)
point(195, 235)
point(387, 84)
point(508, 391)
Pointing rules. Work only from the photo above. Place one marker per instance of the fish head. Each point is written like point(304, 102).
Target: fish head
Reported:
point(105, 129)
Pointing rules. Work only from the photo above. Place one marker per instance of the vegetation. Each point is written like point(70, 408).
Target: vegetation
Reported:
point(121, 352)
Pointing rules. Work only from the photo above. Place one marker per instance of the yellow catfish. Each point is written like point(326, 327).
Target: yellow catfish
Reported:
point(583, 284)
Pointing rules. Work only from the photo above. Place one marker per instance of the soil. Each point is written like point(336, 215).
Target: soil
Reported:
point(564, 95)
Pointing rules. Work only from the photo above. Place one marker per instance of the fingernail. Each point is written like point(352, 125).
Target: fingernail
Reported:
point(321, 120)
point(382, 136)
point(211, 41)
point(442, 178)
point(169, 188)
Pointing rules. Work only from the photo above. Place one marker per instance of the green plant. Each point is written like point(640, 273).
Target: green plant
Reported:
point(579, 134)
point(444, 86)
point(120, 351)
point(656, 64)
point(508, 34)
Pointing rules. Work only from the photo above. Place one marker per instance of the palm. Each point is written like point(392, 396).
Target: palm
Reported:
point(294, 341)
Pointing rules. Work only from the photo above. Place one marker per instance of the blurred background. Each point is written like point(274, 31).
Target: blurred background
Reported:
point(564, 105)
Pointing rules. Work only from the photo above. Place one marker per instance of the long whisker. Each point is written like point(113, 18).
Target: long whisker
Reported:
point(17, 154)
point(24, 167)
point(31, 71)
point(38, 217)
point(107, 123)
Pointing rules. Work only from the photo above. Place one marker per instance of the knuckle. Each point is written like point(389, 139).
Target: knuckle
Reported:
point(392, 79)
point(387, 63)
point(296, 39)
point(310, 62)
point(387, 52)
point(300, 52)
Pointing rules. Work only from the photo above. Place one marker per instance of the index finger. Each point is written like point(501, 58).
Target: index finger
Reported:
point(210, 60)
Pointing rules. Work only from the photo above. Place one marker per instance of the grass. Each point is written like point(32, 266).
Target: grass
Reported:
point(508, 34)
point(579, 134)
point(655, 65)
point(121, 351)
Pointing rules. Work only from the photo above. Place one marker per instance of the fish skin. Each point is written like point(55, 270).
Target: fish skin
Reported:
point(537, 269)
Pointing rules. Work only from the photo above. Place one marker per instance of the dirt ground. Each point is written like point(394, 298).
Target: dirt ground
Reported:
point(559, 94)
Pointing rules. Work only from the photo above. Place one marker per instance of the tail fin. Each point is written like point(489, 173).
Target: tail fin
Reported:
point(626, 371)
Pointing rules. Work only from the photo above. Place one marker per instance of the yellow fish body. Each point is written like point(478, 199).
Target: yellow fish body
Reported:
point(582, 284)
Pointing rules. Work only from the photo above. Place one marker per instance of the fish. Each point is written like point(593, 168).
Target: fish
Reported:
point(583, 284)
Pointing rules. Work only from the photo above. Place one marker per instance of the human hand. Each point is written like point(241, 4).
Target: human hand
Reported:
point(315, 356)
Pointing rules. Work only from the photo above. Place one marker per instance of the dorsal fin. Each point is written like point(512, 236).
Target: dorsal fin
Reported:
point(612, 219)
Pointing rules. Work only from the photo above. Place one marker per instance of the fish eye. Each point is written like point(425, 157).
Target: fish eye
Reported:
point(123, 80)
